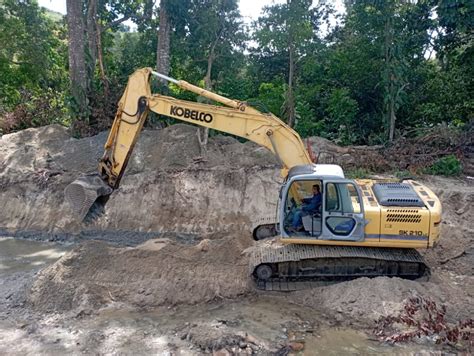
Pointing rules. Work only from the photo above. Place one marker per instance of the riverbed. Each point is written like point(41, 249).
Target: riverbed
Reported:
point(260, 323)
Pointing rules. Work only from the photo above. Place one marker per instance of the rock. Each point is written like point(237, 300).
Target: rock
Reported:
point(254, 347)
point(251, 339)
point(462, 210)
point(203, 245)
point(296, 346)
point(222, 352)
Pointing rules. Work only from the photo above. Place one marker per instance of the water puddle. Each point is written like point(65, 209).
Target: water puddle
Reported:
point(341, 341)
point(22, 255)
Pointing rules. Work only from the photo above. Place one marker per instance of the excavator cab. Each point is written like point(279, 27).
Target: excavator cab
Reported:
point(337, 214)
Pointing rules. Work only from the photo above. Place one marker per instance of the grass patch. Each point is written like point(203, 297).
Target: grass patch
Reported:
point(358, 173)
point(445, 166)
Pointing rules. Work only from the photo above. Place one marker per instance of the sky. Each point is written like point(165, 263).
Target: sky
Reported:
point(250, 9)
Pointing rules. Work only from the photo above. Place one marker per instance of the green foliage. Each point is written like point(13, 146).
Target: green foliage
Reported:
point(403, 174)
point(34, 110)
point(129, 51)
point(305, 124)
point(270, 97)
point(32, 54)
point(445, 166)
point(411, 60)
point(342, 111)
point(358, 173)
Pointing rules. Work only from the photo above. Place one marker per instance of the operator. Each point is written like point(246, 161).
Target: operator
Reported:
point(310, 205)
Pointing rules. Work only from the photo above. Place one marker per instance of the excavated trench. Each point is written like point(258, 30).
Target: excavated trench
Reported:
point(172, 242)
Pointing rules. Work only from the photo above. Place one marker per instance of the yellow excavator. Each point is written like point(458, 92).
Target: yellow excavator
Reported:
point(328, 227)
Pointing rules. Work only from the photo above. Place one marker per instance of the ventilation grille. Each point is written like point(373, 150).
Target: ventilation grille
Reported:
point(396, 194)
point(394, 185)
point(404, 218)
point(402, 200)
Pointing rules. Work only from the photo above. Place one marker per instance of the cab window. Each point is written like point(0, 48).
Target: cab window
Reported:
point(355, 199)
point(298, 204)
point(332, 199)
point(342, 198)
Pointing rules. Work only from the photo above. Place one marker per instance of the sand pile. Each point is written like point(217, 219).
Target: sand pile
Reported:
point(159, 272)
point(455, 251)
point(365, 300)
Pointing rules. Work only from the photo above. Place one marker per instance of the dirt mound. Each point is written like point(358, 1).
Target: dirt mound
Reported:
point(365, 300)
point(455, 251)
point(169, 185)
point(156, 273)
point(177, 147)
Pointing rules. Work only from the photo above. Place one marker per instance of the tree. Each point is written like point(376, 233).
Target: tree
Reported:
point(286, 29)
point(88, 20)
point(173, 17)
point(215, 35)
point(31, 54)
point(367, 79)
point(374, 56)
point(33, 75)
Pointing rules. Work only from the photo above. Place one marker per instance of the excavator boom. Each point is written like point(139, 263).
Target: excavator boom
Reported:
point(236, 118)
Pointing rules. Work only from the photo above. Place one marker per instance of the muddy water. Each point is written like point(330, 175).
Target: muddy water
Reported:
point(268, 319)
point(22, 255)
point(343, 341)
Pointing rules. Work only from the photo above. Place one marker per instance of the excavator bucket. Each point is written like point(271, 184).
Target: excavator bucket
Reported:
point(84, 192)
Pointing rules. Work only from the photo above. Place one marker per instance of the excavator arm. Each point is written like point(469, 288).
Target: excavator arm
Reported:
point(137, 101)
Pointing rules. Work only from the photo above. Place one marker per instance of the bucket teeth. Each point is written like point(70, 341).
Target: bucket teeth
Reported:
point(83, 192)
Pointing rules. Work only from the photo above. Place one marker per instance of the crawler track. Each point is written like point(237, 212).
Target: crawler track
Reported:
point(295, 267)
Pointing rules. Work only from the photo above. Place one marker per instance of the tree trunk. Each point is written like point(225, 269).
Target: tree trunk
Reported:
point(91, 36)
point(103, 76)
point(391, 113)
point(290, 100)
point(94, 37)
point(390, 79)
point(77, 60)
point(163, 48)
point(92, 50)
point(203, 132)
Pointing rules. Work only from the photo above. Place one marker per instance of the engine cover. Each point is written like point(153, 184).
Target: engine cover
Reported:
point(396, 194)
